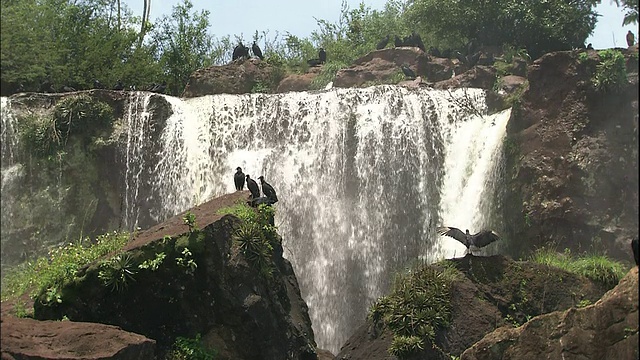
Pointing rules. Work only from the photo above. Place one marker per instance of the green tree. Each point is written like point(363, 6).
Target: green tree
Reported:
point(538, 26)
point(631, 6)
point(182, 44)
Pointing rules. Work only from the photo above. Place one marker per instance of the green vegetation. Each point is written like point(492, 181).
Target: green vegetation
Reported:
point(419, 304)
point(190, 220)
point(256, 237)
point(118, 272)
point(153, 264)
point(73, 43)
point(190, 349)
point(611, 72)
point(187, 261)
point(47, 275)
point(598, 268)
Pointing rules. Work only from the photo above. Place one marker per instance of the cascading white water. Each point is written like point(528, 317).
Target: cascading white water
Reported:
point(364, 176)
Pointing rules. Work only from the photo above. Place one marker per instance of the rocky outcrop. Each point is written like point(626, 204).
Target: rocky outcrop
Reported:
point(492, 292)
point(572, 159)
point(380, 67)
point(239, 311)
point(43, 340)
point(298, 82)
point(477, 77)
point(606, 330)
point(238, 77)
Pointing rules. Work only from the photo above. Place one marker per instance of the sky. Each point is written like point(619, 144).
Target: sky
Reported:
point(234, 17)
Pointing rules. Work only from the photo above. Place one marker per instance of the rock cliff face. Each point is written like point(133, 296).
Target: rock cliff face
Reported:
point(239, 313)
point(572, 159)
point(492, 292)
point(606, 330)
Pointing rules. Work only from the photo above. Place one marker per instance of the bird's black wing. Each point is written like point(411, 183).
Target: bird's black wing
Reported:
point(454, 233)
point(484, 238)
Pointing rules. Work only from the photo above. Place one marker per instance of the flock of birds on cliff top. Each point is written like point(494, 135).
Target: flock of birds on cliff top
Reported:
point(242, 52)
point(470, 241)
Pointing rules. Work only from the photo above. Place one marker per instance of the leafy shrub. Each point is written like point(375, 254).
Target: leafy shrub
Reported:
point(402, 346)
point(118, 272)
point(418, 305)
point(153, 264)
point(611, 73)
point(190, 349)
point(78, 113)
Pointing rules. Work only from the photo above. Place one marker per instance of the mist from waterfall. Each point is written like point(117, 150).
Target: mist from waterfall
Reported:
point(364, 176)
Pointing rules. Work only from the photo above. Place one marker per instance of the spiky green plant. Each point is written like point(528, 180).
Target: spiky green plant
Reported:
point(118, 272)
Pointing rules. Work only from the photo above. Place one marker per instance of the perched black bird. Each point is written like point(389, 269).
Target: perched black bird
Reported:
point(97, 84)
point(397, 42)
point(446, 53)
point(252, 185)
point(433, 51)
point(119, 85)
point(478, 240)
point(634, 247)
point(268, 190)
point(314, 62)
point(151, 87)
point(256, 51)
point(631, 39)
point(416, 41)
point(322, 56)
point(383, 43)
point(589, 46)
point(238, 179)
point(460, 57)
point(160, 88)
point(238, 52)
point(472, 60)
point(407, 41)
point(408, 72)
point(471, 47)
point(66, 88)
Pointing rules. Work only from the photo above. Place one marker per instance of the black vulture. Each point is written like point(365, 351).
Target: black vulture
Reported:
point(160, 88)
point(256, 51)
point(322, 56)
point(408, 72)
point(268, 190)
point(313, 62)
point(252, 185)
point(433, 51)
point(66, 88)
point(238, 179)
point(416, 40)
point(97, 84)
point(634, 247)
point(118, 85)
point(589, 46)
point(397, 42)
point(460, 57)
point(478, 240)
point(238, 52)
point(472, 60)
point(382, 43)
point(631, 39)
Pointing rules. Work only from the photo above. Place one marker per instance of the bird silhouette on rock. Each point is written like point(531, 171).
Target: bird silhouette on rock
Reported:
point(238, 179)
point(256, 51)
point(478, 240)
point(631, 39)
point(383, 43)
point(252, 185)
point(268, 190)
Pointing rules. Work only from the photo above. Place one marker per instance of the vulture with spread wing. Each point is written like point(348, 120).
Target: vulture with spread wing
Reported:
point(478, 240)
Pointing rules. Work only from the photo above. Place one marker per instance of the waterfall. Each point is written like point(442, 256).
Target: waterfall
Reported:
point(364, 176)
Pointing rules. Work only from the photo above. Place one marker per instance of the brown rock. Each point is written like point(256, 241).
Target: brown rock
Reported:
point(238, 77)
point(606, 330)
point(478, 77)
point(380, 66)
point(42, 340)
point(298, 82)
point(511, 83)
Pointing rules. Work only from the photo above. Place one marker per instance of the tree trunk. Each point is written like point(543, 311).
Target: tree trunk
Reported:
point(118, 15)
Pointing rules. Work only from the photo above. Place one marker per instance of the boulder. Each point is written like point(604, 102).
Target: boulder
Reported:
point(606, 330)
point(478, 77)
point(380, 66)
point(298, 82)
point(238, 77)
point(70, 340)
